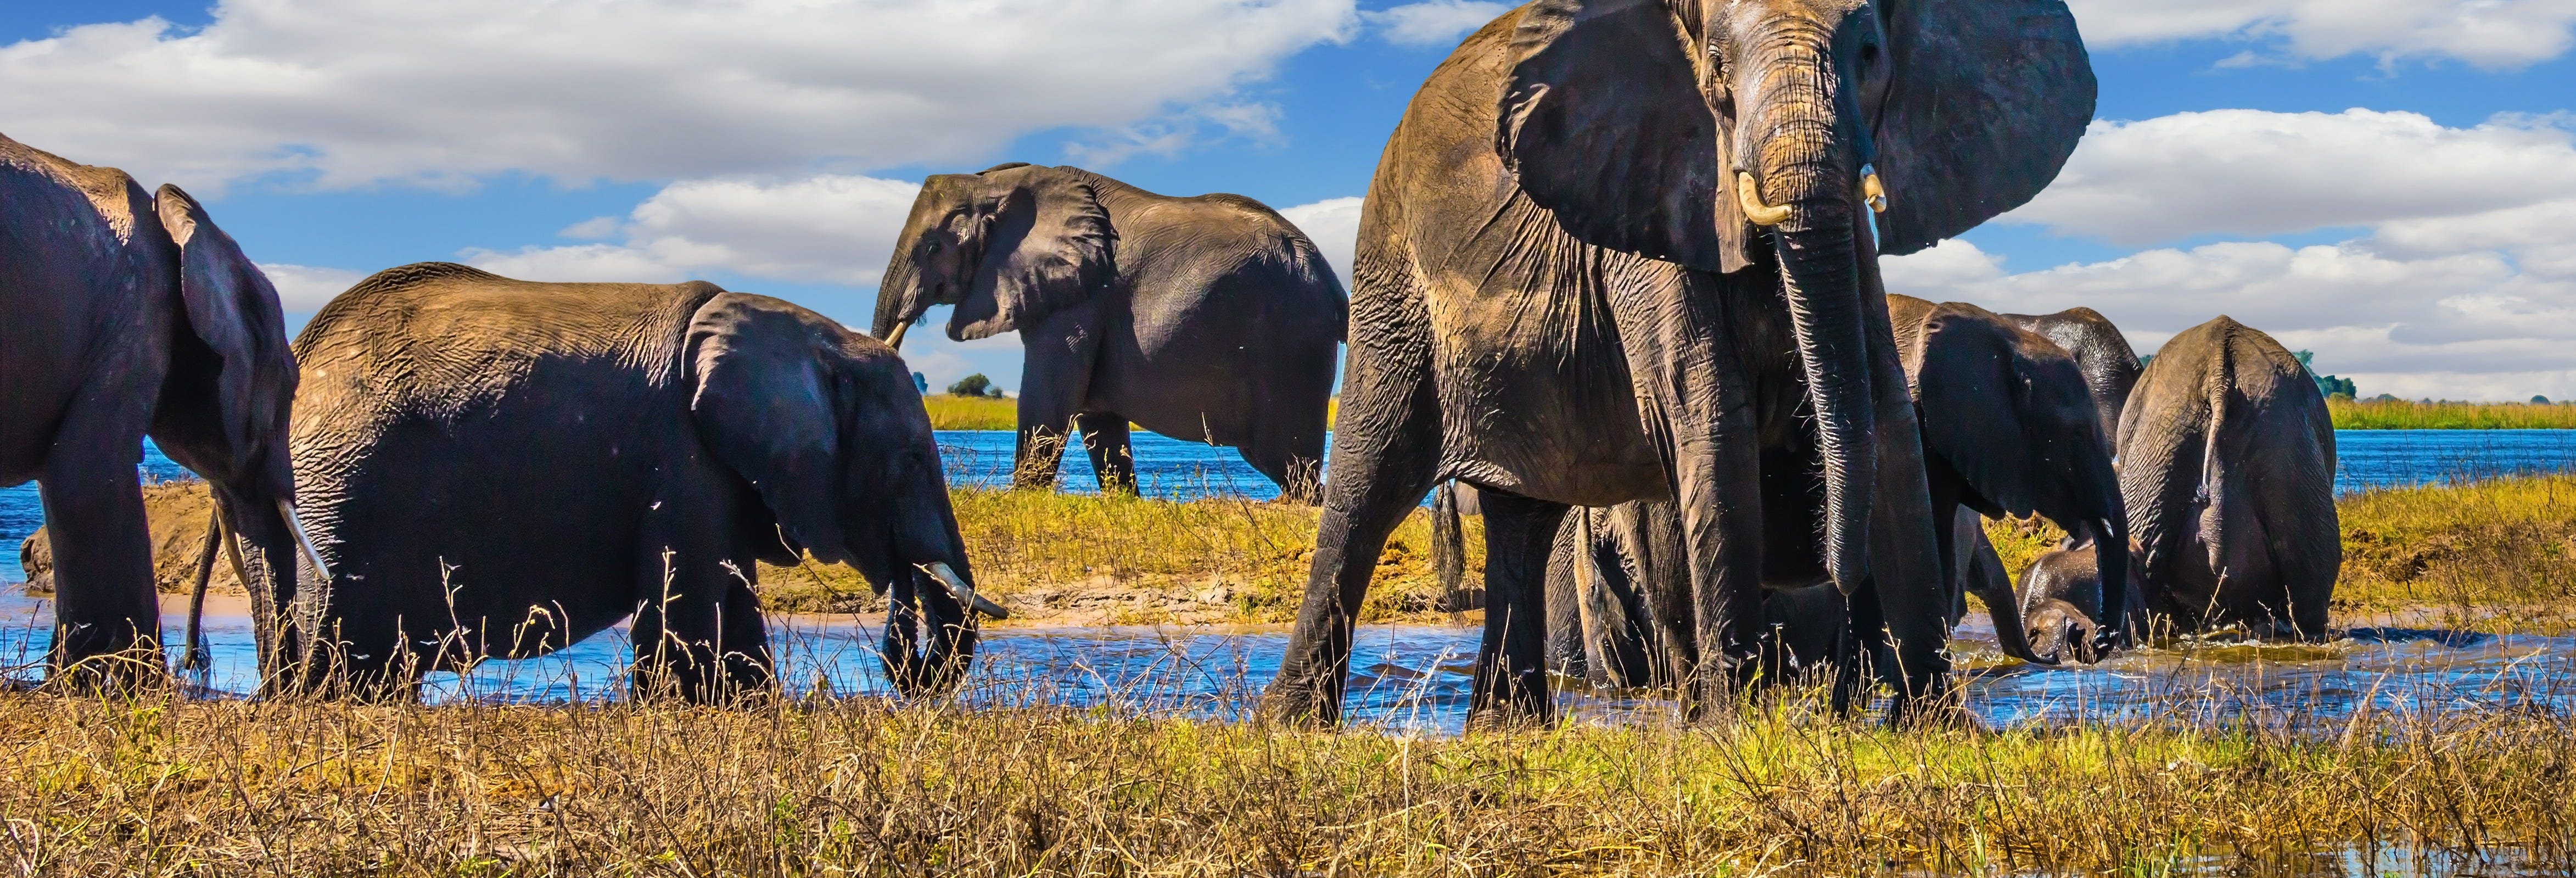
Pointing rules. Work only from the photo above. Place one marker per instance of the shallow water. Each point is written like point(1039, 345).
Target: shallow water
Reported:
point(1418, 677)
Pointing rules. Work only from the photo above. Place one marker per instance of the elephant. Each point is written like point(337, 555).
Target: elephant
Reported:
point(1610, 251)
point(2008, 426)
point(133, 315)
point(2061, 596)
point(499, 468)
point(2110, 366)
point(2227, 459)
point(1206, 318)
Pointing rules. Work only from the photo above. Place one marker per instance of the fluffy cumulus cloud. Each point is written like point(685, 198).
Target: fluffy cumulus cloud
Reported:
point(2249, 172)
point(1434, 22)
point(823, 229)
point(355, 92)
point(2486, 33)
point(2460, 280)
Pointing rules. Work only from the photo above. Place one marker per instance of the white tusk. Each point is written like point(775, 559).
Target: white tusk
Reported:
point(1748, 194)
point(1872, 192)
point(964, 593)
point(311, 554)
point(895, 339)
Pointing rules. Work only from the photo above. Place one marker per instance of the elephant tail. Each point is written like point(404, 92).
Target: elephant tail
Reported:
point(2216, 465)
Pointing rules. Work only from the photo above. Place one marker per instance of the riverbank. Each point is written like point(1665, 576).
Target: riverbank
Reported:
point(2408, 415)
point(157, 785)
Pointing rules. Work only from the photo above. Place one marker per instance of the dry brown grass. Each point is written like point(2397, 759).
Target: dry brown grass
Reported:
point(159, 786)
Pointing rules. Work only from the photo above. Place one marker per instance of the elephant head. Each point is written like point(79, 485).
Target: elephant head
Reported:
point(223, 407)
point(826, 425)
point(2009, 413)
point(1724, 133)
point(1008, 247)
point(2061, 599)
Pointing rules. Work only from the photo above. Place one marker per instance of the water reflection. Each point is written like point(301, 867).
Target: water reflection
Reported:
point(1418, 677)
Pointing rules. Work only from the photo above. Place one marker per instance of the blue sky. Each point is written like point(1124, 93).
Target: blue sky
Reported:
point(2391, 183)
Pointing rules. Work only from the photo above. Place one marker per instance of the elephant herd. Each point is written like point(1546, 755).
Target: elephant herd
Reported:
point(1618, 270)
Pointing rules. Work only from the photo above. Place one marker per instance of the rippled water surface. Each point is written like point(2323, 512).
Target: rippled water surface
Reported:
point(1417, 677)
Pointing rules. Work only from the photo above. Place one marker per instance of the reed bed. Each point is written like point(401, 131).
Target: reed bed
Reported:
point(161, 785)
point(2447, 415)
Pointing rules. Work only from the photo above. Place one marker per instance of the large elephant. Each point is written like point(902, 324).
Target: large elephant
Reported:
point(1208, 318)
point(1604, 244)
point(494, 467)
point(132, 315)
point(2008, 427)
point(2110, 366)
point(2227, 457)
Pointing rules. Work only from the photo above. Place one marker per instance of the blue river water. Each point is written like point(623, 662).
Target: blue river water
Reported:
point(1417, 677)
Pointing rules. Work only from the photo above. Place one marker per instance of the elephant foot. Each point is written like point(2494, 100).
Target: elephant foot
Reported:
point(1297, 702)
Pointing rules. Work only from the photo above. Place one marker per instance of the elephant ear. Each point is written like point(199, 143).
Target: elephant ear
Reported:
point(1604, 122)
point(1974, 391)
point(767, 406)
point(1986, 100)
point(226, 403)
point(1048, 245)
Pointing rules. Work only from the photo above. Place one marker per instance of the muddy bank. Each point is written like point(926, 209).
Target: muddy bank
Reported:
point(177, 511)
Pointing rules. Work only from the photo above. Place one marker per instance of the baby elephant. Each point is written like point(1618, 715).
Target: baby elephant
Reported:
point(2061, 599)
point(2227, 463)
point(500, 468)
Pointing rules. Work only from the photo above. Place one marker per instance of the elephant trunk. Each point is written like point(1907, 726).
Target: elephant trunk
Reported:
point(2111, 557)
point(262, 542)
point(1806, 185)
point(933, 599)
point(899, 301)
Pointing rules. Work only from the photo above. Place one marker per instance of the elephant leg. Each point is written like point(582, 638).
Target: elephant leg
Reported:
point(1113, 459)
point(1913, 595)
point(1386, 458)
point(698, 632)
point(1291, 455)
point(1511, 663)
point(1566, 652)
point(1055, 384)
point(107, 616)
point(1696, 393)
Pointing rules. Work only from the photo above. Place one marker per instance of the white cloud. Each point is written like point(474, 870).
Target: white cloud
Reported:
point(1334, 225)
point(824, 229)
point(354, 92)
point(2251, 172)
point(1434, 22)
point(303, 289)
point(2459, 281)
point(2486, 33)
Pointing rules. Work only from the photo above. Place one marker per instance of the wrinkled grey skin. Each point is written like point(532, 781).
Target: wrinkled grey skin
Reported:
point(2227, 460)
point(1209, 318)
point(1560, 297)
point(2008, 427)
point(2110, 366)
point(500, 468)
point(2061, 595)
point(130, 315)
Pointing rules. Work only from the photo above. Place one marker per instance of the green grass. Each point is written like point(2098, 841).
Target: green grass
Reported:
point(1229, 560)
point(952, 412)
point(2404, 415)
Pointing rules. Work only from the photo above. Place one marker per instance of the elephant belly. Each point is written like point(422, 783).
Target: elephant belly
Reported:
point(511, 536)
